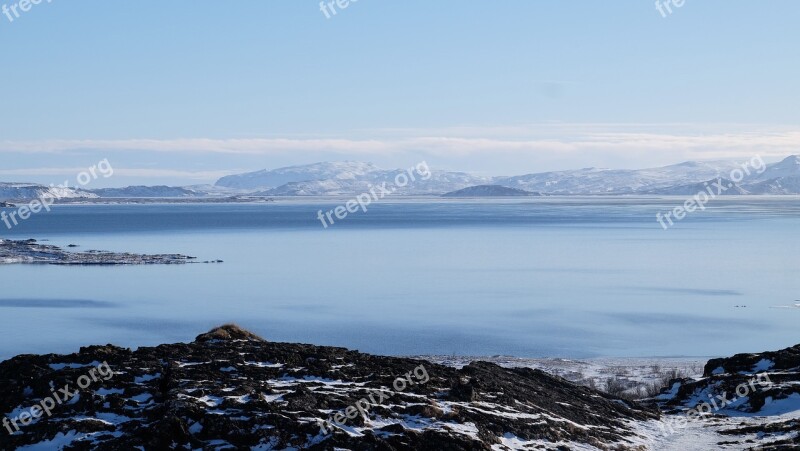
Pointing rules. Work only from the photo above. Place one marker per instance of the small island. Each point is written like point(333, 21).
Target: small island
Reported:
point(490, 191)
point(32, 252)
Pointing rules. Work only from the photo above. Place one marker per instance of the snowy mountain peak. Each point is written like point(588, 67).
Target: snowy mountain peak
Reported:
point(793, 160)
point(267, 179)
point(788, 167)
point(20, 191)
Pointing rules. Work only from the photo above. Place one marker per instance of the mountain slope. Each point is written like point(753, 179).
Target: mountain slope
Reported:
point(266, 179)
point(26, 191)
point(788, 167)
point(720, 186)
point(437, 182)
point(608, 181)
point(145, 191)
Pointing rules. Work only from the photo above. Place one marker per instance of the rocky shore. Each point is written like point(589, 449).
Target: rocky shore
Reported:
point(230, 389)
point(33, 252)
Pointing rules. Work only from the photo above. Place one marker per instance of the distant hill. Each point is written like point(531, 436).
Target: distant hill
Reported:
point(350, 178)
point(777, 186)
point(146, 191)
point(267, 179)
point(778, 179)
point(619, 181)
point(490, 191)
point(788, 167)
point(729, 188)
point(23, 191)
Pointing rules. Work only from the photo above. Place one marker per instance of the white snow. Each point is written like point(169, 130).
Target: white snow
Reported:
point(146, 378)
point(58, 442)
point(763, 365)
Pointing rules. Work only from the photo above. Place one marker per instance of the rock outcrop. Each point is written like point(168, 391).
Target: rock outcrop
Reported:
point(232, 390)
point(33, 252)
point(758, 395)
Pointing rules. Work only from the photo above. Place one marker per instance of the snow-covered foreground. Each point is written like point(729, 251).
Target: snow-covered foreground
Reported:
point(773, 426)
point(230, 389)
point(634, 372)
point(710, 434)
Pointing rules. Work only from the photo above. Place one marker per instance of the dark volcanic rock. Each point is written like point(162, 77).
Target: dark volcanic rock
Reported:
point(746, 381)
point(761, 385)
point(786, 359)
point(232, 390)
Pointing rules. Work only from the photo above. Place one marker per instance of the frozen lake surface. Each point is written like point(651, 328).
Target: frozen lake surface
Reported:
point(552, 277)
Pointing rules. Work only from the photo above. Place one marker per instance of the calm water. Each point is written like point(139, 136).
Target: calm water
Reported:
point(563, 277)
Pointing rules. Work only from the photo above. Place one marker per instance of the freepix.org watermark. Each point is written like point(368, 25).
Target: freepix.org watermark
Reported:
point(376, 398)
point(15, 10)
point(711, 191)
point(329, 8)
point(665, 6)
point(362, 201)
point(58, 397)
point(714, 404)
point(46, 200)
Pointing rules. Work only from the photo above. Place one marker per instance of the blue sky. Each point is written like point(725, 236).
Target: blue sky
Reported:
point(181, 92)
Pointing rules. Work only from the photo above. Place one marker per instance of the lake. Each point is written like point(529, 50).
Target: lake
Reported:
point(566, 277)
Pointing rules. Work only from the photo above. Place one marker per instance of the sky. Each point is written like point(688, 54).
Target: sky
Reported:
point(183, 92)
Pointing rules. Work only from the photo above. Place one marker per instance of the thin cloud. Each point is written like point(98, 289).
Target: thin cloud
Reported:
point(545, 140)
point(121, 172)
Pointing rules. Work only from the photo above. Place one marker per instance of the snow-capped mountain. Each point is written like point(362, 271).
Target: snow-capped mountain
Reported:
point(266, 179)
point(789, 167)
point(626, 181)
point(435, 182)
point(776, 186)
point(15, 191)
point(347, 178)
point(344, 178)
point(718, 186)
point(778, 179)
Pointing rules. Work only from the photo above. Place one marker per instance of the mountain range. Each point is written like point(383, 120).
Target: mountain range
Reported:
point(346, 178)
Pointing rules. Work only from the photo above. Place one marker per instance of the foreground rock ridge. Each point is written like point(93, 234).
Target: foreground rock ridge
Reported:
point(33, 252)
point(232, 390)
point(752, 398)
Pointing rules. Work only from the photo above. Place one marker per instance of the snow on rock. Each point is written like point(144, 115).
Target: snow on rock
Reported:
point(282, 404)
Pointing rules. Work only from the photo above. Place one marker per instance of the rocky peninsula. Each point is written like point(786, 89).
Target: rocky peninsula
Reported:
point(33, 252)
